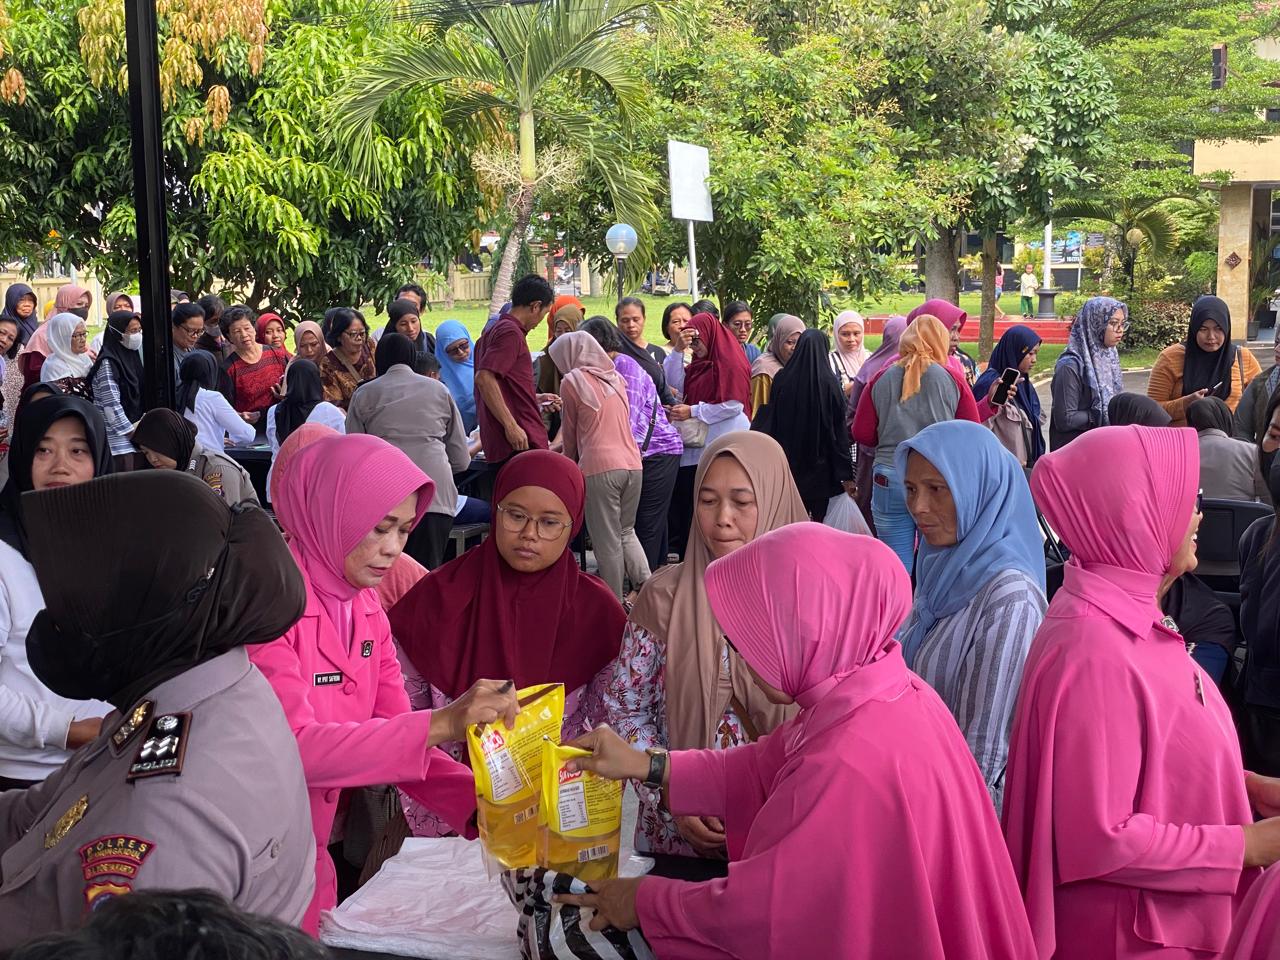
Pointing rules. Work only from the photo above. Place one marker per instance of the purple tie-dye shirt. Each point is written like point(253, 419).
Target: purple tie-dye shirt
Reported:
point(642, 397)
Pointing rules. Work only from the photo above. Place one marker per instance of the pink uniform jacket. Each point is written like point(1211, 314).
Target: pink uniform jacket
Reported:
point(351, 715)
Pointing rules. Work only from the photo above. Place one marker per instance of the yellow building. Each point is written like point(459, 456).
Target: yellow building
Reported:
point(1248, 213)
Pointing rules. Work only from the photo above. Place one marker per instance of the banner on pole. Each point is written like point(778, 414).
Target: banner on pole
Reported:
point(690, 166)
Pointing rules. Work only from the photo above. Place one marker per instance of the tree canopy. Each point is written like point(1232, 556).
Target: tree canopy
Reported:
point(260, 202)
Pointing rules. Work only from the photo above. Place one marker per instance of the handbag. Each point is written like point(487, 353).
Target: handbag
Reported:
point(693, 432)
point(653, 420)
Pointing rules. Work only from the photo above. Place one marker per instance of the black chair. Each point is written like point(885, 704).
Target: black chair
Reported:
point(1218, 541)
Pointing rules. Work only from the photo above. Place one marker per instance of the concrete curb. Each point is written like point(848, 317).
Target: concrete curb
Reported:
point(1045, 377)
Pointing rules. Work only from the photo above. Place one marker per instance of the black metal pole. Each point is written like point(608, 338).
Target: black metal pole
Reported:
point(143, 45)
point(619, 261)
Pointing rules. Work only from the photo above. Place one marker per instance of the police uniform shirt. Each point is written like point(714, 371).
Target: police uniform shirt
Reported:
point(199, 784)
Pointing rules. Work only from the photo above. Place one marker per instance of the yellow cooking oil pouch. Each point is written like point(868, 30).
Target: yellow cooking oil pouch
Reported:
point(580, 824)
point(507, 767)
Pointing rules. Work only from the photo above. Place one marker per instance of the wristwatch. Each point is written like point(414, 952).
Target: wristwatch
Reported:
point(657, 766)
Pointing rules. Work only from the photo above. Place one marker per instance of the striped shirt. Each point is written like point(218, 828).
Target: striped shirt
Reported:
point(974, 660)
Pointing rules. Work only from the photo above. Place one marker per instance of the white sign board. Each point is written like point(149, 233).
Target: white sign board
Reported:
point(690, 167)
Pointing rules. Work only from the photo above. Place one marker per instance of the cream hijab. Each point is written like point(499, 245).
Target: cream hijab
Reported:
point(673, 606)
point(768, 363)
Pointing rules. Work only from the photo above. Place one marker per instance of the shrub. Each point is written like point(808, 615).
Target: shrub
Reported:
point(1069, 304)
point(1157, 323)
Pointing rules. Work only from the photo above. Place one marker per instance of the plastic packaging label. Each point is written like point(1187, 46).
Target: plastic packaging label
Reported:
point(580, 824)
point(508, 769)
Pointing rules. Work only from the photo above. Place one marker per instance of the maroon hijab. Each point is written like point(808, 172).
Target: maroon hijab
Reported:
point(724, 373)
point(476, 618)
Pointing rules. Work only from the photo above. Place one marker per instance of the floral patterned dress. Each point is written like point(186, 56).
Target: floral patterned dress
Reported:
point(633, 701)
point(424, 696)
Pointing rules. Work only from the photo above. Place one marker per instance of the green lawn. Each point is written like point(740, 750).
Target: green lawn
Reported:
point(475, 315)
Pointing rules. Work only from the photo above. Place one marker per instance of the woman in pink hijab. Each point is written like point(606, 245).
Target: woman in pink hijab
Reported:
point(1125, 805)
point(859, 829)
point(348, 504)
point(405, 572)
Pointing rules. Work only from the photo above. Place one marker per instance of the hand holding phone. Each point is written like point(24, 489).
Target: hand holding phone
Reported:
point(1000, 396)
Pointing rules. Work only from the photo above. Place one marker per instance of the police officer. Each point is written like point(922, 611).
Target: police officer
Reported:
point(152, 588)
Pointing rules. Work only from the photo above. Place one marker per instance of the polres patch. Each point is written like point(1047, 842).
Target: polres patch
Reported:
point(110, 865)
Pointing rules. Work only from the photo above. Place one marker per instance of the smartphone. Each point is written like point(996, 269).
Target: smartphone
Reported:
point(1007, 380)
point(1216, 387)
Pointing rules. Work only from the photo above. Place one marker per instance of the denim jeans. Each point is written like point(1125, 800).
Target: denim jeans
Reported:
point(894, 526)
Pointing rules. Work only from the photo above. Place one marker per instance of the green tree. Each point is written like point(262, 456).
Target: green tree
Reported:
point(1137, 227)
point(805, 180)
point(260, 204)
point(508, 67)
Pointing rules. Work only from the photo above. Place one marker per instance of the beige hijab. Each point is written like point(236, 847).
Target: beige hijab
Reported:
point(673, 606)
point(769, 363)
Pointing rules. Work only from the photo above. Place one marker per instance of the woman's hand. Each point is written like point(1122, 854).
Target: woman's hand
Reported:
point(550, 401)
point(705, 835)
point(614, 902)
point(81, 732)
point(486, 702)
point(611, 756)
point(850, 489)
point(1262, 842)
point(991, 394)
point(680, 411)
point(1264, 794)
point(1198, 395)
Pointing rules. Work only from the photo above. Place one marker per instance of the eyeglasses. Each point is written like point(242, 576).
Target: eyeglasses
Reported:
point(741, 325)
point(1200, 502)
point(1119, 326)
point(514, 521)
point(191, 331)
point(355, 335)
point(459, 349)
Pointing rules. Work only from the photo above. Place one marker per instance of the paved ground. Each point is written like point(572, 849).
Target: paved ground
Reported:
point(1135, 382)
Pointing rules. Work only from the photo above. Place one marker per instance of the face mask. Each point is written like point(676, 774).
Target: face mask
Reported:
point(81, 312)
point(133, 341)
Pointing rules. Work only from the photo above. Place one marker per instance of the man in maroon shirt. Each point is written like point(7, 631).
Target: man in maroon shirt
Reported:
point(506, 403)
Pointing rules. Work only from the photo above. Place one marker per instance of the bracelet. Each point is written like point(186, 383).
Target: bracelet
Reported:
point(657, 767)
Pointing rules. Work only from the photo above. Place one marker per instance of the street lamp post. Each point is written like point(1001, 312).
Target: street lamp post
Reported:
point(621, 240)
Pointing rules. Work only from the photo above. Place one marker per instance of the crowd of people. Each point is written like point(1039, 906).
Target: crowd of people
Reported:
point(893, 673)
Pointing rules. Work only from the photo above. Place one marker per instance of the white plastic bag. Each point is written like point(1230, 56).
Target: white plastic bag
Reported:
point(843, 514)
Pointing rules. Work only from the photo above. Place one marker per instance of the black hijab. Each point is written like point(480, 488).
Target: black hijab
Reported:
point(394, 348)
point(302, 391)
point(30, 425)
point(1136, 409)
point(12, 297)
point(199, 371)
point(1202, 370)
point(399, 309)
point(805, 414)
point(206, 579)
point(125, 364)
point(1210, 413)
point(647, 363)
point(169, 434)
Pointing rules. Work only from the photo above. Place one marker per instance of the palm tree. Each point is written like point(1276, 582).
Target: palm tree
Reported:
point(1144, 226)
point(499, 65)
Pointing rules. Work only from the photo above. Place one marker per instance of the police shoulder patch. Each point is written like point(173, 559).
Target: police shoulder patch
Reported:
point(164, 748)
point(110, 866)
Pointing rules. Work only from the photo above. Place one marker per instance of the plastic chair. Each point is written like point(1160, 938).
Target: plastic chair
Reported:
point(1218, 541)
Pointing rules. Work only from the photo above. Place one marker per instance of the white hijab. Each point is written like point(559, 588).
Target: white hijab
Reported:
point(61, 362)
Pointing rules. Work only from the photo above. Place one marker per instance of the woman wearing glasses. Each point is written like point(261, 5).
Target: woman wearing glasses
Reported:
point(1087, 374)
point(516, 607)
point(350, 362)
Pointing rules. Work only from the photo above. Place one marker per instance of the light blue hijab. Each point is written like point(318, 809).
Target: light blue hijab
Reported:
point(460, 378)
point(995, 523)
